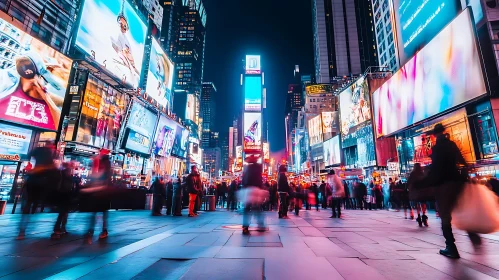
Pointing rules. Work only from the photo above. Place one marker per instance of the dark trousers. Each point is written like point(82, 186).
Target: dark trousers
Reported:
point(360, 203)
point(62, 219)
point(29, 207)
point(93, 219)
point(336, 205)
point(283, 204)
point(157, 204)
point(177, 205)
point(169, 202)
point(324, 201)
point(317, 201)
point(232, 202)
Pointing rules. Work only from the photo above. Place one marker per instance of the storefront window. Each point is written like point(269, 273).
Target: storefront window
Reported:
point(486, 135)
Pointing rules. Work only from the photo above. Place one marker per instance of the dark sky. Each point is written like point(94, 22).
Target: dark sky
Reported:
point(280, 31)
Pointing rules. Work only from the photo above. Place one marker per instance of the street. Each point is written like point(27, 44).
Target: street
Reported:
point(361, 245)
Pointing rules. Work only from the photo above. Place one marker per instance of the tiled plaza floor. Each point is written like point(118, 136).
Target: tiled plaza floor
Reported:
point(360, 245)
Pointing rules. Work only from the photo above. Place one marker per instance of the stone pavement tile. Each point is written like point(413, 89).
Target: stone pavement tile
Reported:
point(205, 239)
point(379, 252)
point(264, 237)
point(122, 269)
point(177, 239)
point(414, 242)
point(454, 268)
point(244, 269)
point(45, 269)
point(264, 244)
point(259, 253)
point(205, 228)
point(9, 265)
point(311, 231)
point(299, 222)
point(285, 267)
point(398, 246)
point(354, 269)
point(291, 241)
point(237, 239)
point(286, 231)
point(165, 269)
point(406, 269)
point(351, 237)
point(491, 261)
point(178, 252)
point(323, 247)
point(351, 252)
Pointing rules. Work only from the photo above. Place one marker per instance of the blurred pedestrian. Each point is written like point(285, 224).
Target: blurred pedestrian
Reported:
point(63, 200)
point(360, 195)
point(252, 183)
point(159, 194)
point(337, 193)
point(231, 199)
point(419, 193)
point(283, 190)
point(322, 189)
point(314, 189)
point(177, 197)
point(169, 196)
point(194, 186)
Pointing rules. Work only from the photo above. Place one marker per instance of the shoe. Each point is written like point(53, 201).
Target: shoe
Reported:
point(420, 222)
point(88, 238)
point(246, 231)
point(157, 214)
point(450, 253)
point(21, 236)
point(190, 215)
point(103, 234)
point(55, 236)
point(286, 217)
point(412, 217)
point(177, 215)
point(261, 229)
point(425, 220)
point(476, 240)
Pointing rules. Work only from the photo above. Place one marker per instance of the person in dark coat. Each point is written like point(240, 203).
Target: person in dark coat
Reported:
point(177, 197)
point(322, 189)
point(64, 196)
point(194, 186)
point(159, 194)
point(360, 194)
point(445, 175)
point(222, 192)
point(231, 199)
point(169, 197)
point(283, 190)
point(315, 190)
point(252, 178)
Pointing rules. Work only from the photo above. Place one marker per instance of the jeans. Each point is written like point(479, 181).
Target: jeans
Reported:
point(283, 200)
point(29, 208)
point(336, 205)
point(62, 220)
point(253, 210)
point(192, 202)
point(93, 218)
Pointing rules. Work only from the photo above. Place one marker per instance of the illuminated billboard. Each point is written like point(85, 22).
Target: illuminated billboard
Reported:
point(332, 151)
point(33, 80)
point(253, 65)
point(14, 142)
point(319, 89)
point(266, 152)
point(252, 131)
point(315, 130)
point(165, 136)
point(253, 93)
point(330, 124)
point(433, 81)
point(355, 107)
point(418, 22)
point(190, 111)
point(112, 33)
point(140, 129)
point(196, 153)
point(160, 77)
point(181, 142)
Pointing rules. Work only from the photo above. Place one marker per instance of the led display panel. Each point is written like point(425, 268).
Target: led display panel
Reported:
point(112, 33)
point(165, 136)
point(181, 143)
point(266, 152)
point(160, 77)
point(14, 142)
point(252, 131)
point(253, 64)
point(252, 93)
point(445, 74)
point(420, 21)
point(33, 79)
point(332, 151)
point(315, 130)
point(140, 129)
point(355, 107)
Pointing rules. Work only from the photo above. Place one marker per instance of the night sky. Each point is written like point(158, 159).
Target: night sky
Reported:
point(280, 31)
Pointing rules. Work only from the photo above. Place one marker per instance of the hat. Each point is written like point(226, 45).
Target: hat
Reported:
point(26, 67)
point(438, 128)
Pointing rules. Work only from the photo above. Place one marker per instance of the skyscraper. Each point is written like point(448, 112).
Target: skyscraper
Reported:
point(224, 146)
point(387, 52)
point(154, 9)
point(207, 112)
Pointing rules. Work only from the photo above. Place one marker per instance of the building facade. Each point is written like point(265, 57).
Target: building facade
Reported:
point(207, 112)
point(155, 11)
point(212, 159)
point(384, 33)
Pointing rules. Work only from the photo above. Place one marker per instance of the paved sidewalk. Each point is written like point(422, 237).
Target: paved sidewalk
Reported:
point(360, 245)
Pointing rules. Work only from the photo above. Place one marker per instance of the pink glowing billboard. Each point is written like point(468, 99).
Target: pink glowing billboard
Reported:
point(444, 74)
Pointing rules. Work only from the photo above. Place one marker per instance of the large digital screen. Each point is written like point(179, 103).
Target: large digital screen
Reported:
point(355, 107)
point(190, 108)
point(332, 151)
point(14, 142)
point(112, 33)
point(165, 136)
point(196, 153)
point(102, 114)
point(160, 77)
point(141, 126)
point(33, 79)
point(330, 124)
point(266, 152)
point(445, 74)
point(181, 143)
point(253, 64)
point(420, 21)
point(252, 131)
point(252, 93)
point(315, 130)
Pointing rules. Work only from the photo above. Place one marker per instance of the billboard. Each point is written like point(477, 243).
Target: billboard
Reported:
point(266, 152)
point(190, 110)
point(14, 142)
point(252, 131)
point(433, 81)
point(181, 142)
point(112, 33)
point(160, 77)
point(355, 107)
point(239, 155)
point(332, 151)
point(196, 153)
point(165, 137)
point(319, 89)
point(330, 124)
point(418, 22)
point(315, 130)
point(253, 65)
point(102, 114)
point(253, 93)
point(33, 80)
point(140, 129)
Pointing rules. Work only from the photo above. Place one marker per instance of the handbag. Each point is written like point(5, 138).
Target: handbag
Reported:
point(477, 210)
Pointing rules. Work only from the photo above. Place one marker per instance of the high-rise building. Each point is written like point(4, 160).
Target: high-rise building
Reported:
point(214, 139)
point(49, 21)
point(384, 33)
point(367, 38)
point(212, 161)
point(154, 9)
point(207, 112)
point(224, 146)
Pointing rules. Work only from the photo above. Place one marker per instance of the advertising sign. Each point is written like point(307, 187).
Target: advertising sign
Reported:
point(112, 34)
point(355, 107)
point(160, 77)
point(319, 89)
point(433, 81)
point(315, 130)
point(419, 21)
point(141, 125)
point(252, 131)
point(181, 143)
point(33, 80)
point(239, 155)
point(330, 124)
point(253, 65)
point(252, 93)
point(165, 137)
point(266, 152)
point(196, 154)
point(102, 113)
point(332, 151)
point(317, 152)
point(14, 142)
point(190, 111)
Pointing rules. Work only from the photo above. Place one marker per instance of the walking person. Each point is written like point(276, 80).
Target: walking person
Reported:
point(322, 189)
point(419, 193)
point(64, 196)
point(194, 186)
point(445, 175)
point(177, 197)
point(314, 189)
point(283, 191)
point(337, 192)
point(252, 182)
point(231, 199)
point(169, 197)
point(159, 194)
point(360, 195)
